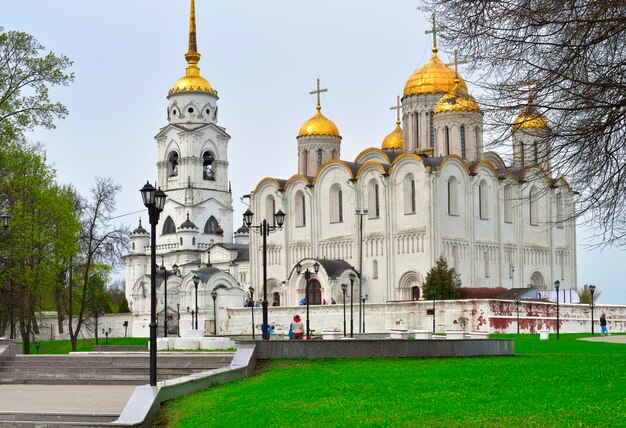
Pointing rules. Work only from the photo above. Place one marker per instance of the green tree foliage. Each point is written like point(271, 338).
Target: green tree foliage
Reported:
point(26, 74)
point(442, 282)
point(43, 233)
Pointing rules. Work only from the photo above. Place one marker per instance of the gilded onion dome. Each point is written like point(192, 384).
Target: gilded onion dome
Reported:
point(394, 141)
point(319, 125)
point(530, 118)
point(192, 81)
point(433, 78)
point(457, 100)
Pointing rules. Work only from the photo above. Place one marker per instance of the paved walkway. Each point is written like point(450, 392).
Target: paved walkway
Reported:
point(79, 399)
point(609, 339)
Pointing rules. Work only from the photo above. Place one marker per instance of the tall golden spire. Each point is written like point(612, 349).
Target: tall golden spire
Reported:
point(192, 81)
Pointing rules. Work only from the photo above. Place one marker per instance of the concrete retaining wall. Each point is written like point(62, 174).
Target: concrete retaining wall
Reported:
point(382, 348)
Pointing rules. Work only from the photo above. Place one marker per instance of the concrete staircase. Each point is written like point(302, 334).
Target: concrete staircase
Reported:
point(106, 368)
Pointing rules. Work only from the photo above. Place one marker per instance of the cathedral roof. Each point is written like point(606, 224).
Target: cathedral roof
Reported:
point(434, 77)
point(188, 224)
point(140, 230)
point(457, 100)
point(319, 125)
point(530, 118)
point(192, 81)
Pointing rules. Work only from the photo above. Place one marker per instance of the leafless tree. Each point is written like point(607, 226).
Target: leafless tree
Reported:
point(101, 241)
point(573, 54)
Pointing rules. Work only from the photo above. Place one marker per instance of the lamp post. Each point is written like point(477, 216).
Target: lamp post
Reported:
point(165, 273)
point(5, 217)
point(434, 296)
point(178, 319)
point(592, 289)
point(196, 281)
point(214, 295)
point(557, 284)
point(154, 200)
point(512, 266)
point(517, 310)
point(344, 287)
point(352, 278)
point(106, 333)
point(360, 213)
point(264, 229)
point(251, 290)
point(307, 277)
point(364, 298)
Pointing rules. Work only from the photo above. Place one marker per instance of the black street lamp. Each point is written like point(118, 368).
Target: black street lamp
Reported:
point(178, 319)
point(361, 214)
point(264, 229)
point(592, 289)
point(196, 281)
point(344, 288)
point(352, 278)
point(434, 296)
point(517, 310)
point(154, 200)
point(364, 298)
point(106, 333)
point(251, 290)
point(557, 284)
point(307, 276)
point(5, 220)
point(214, 295)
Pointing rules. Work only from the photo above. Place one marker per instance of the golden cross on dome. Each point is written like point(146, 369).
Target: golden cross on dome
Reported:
point(318, 92)
point(434, 31)
point(397, 107)
point(456, 63)
point(528, 87)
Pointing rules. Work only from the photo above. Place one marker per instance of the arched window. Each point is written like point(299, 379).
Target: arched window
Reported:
point(374, 199)
point(168, 226)
point(483, 201)
point(193, 240)
point(319, 157)
point(300, 209)
point(447, 140)
point(172, 164)
point(315, 292)
point(432, 129)
point(453, 196)
point(207, 166)
point(417, 128)
point(533, 202)
point(211, 225)
point(374, 269)
point(305, 156)
point(409, 194)
point(133, 246)
point(559, 210)
point(415, 293)
point(336, 204)
point(463, 141)
point(508, 204)
point(536, 152)
point(270, 209)
point(181, 241)
point(334, 154)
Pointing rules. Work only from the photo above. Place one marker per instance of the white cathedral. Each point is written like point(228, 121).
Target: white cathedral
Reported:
point(429, 190)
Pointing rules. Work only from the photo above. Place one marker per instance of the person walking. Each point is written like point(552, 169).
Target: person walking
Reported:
point(604, 330)
point(297, 328)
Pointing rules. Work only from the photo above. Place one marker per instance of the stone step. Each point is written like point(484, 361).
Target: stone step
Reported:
point(9, 365)
point(57, 417)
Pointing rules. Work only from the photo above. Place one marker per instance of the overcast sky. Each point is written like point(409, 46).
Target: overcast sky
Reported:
point(263, 59)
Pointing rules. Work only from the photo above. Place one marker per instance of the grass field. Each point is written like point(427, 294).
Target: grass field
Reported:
point(83, 345)
point(548, 383)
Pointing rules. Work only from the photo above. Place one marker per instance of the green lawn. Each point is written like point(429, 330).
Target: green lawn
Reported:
point(83, 345)
point(548, 383)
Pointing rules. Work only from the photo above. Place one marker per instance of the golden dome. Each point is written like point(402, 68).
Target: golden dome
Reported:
point(433, 78)
point(457, 100)
point(394, 140)
point(192, 81)
point(319, 125)
point(530, 118)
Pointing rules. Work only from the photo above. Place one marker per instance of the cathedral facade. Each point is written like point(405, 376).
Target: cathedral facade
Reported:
point(430, 189)
point(192, 169)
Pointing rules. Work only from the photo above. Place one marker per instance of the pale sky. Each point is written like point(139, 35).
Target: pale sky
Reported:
point(263, 59)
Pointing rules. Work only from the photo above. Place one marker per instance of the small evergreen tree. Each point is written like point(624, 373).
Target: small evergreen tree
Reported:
point(442, 282)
